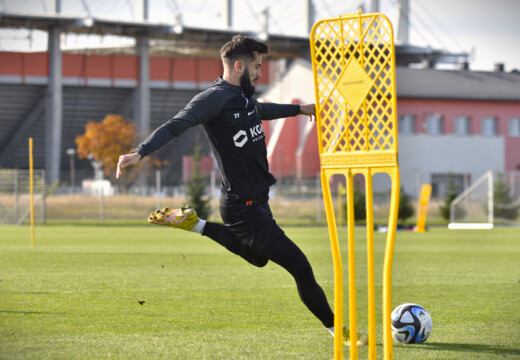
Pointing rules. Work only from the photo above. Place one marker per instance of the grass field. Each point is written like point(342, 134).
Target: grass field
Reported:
point(94, 292)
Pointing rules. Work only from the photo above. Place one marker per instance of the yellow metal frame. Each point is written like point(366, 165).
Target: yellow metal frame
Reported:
point(353, 62)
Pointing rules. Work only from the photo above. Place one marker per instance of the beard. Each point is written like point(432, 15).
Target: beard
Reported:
point(246, 85)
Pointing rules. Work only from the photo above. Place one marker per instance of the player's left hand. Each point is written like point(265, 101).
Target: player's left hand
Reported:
point(308, 109)
point(126, 160)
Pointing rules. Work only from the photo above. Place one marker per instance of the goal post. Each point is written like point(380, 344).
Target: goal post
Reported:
point(353, 62)
point(473, 208)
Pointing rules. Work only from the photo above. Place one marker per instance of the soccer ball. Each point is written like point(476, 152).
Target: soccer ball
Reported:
point(411, 324)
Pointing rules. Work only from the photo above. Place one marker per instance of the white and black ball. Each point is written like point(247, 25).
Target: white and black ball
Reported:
point(411, 324)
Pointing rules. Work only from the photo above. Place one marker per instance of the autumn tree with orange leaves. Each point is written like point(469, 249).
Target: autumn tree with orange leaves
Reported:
point(106, 140)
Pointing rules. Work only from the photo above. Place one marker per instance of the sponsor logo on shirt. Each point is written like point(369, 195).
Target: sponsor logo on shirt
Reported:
point(241, 137)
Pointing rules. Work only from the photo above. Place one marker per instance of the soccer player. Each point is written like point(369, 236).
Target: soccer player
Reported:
point(231, 118)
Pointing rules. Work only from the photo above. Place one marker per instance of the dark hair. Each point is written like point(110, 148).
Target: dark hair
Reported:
point(242, 46)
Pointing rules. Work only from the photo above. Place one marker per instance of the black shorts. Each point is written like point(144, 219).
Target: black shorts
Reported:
point(250, 220)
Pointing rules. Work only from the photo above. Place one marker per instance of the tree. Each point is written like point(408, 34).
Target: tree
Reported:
point(197, 187)
point(451, 194)
point(360, 208)
point(106, 140)
point(503, 201)
point(406, 209)
point(360, 205)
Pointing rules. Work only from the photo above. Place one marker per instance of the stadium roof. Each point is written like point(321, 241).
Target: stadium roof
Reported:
point(458, 84)
point(195, 41)
point(207, 40)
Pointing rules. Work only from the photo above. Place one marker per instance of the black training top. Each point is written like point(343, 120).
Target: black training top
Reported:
point(233, 125)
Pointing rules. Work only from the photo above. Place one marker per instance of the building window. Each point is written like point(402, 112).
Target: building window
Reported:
point(462, 125)
point(514, 127)
point(441, 184)
point(489, 126)
point(434, 124)
point(407, 124)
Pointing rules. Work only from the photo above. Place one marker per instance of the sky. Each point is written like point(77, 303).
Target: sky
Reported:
point(488, 30)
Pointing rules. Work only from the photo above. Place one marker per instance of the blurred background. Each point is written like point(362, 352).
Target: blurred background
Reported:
point(89, 79)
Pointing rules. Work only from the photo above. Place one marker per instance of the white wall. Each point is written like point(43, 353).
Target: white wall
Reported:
point(421, 155)
point(296, 83)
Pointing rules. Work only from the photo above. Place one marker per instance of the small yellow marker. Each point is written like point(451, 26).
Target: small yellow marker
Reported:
point(31, 186)
point(424, 201)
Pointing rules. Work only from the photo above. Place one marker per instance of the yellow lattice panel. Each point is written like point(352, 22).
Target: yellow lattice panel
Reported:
point(353, 63)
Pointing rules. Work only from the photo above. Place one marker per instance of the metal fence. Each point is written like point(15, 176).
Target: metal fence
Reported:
point(15, 196)
point(292, 200)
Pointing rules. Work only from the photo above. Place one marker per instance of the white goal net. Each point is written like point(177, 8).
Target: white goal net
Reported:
point(15, 196)
point(473, 208)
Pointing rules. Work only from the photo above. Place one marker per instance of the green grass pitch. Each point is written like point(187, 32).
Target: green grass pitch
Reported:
point(157, 293)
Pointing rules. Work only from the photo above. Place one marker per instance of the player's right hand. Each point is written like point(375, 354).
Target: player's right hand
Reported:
point(126, 160)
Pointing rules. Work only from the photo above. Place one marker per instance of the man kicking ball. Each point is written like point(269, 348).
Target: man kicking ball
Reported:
point(231, 118)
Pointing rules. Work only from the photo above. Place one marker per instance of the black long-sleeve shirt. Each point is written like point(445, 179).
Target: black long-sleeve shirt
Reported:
point(233, 125)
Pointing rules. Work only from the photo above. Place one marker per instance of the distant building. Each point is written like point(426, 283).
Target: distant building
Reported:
point(451, 122)
point(94, 86)
point(456, 122)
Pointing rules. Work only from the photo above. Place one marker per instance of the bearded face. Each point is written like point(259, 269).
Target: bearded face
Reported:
point(247, 84)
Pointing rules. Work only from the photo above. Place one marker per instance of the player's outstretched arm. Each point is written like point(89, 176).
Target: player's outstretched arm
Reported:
point(126, 160)
point(308, 109)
